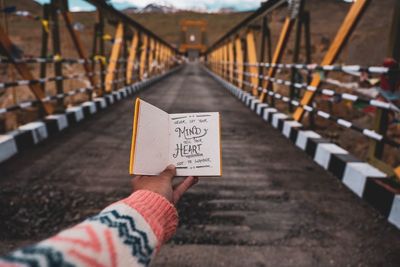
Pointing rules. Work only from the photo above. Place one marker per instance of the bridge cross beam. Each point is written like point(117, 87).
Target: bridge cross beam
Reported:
point(290, 20)
point(78, 44)
point(356, 11)
point(9, 49)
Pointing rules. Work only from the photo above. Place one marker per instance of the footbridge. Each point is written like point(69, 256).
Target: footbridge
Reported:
point(290, 195)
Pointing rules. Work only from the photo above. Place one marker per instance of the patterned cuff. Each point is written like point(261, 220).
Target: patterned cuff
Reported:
point(158, 212)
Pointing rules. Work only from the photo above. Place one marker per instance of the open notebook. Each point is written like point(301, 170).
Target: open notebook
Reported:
point(190, 141)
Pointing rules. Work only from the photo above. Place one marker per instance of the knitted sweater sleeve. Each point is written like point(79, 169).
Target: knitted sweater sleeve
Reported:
point(127, 233)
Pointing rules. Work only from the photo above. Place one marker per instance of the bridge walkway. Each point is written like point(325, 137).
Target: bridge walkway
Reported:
point(273, 206)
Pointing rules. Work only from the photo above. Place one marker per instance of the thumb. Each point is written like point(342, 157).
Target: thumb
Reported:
point(183, 187)
point(169, 172)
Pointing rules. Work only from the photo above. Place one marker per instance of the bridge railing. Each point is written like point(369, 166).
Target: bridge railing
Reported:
point(132, 55)
point(303, 88)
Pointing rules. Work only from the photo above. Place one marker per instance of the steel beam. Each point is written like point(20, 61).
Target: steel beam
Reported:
point(109, 10)
point(231, 60)
point(265, 7)
point(283, 40)
point(252, 61)
point(239, 62)
point(116, 49)
point(8, 48)
point(132, 57)
point(143, 56)
point(348, 25)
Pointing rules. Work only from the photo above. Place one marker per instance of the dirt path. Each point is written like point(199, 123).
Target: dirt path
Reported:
point(273, 206)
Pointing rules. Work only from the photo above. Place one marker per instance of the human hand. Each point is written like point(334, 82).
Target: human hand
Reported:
point(162, 184)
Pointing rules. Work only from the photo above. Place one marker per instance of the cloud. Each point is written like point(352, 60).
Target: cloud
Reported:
point(188, 4)
point(76, 8)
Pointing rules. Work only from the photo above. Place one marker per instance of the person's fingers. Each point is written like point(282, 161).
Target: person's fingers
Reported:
point(134, 180)
point(169, 172)
point(183, 187)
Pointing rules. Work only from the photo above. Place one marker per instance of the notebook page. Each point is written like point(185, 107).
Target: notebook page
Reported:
point(152, 141)
point(194, 143)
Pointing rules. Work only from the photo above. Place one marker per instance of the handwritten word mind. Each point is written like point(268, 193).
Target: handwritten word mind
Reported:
point(190, 133)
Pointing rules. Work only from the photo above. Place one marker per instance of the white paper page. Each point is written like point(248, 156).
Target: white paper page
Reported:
point(151, 149)
point(194, 143)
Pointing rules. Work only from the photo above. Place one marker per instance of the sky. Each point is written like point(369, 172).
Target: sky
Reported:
point(211, 5)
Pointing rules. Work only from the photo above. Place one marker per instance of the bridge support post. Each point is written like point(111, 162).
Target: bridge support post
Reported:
point(100, 55)
point(125, 54)
point(55, 33)
point(78, 45)
point(231, 60)
point(218, 61)
point(286, 30)
point(116, 49)
point(226, 61)
point(300, 25)
point(239, 61)
point(143, 57)
point(151, 57)
point(252, 61)
point(157, 57)
point(44, 46)
point(163, 58)
point(265, 41)
point(132, 57)
point(10, 50)
point(340, 40)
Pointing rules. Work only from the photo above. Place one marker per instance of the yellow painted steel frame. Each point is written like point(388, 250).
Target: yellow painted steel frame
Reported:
point(231, 61)
point(397, 172)
point(223, 61)
point(210, 60)
point(252, 61)
point(132, 58)
point(116, 49)
point(143, 56)
point(219, 67)
point(219, 64)
point(239, 62)
point(151, 56)
point(213, 61)
point(222, 65)
point(283, 39)
point(226, 63)
point(157, 55)
point(80, 49)
point(23, 69)
point(218, 61)
point(168, 58)
point(162, 57)
point(334, 50)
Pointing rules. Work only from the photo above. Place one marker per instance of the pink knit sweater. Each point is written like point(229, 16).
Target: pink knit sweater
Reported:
point(127, 233)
